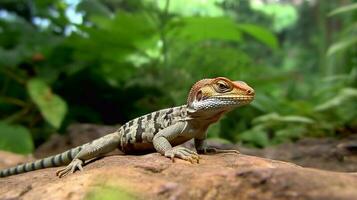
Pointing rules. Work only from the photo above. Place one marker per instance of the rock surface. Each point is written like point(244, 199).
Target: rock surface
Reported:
point(322, 153)
point(221, 176)
point(151, 176)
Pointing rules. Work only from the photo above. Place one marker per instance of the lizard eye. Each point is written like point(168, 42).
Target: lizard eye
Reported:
point(222, 87)
point(199, 95)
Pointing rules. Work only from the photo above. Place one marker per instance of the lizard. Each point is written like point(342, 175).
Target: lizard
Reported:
point(161, 131)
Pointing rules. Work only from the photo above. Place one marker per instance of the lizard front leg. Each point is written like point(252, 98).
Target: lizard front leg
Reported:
point(91, 150)
point(162, 145)
point(202, 148)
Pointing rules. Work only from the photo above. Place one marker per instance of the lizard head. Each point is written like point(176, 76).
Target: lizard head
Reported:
point(219, 95)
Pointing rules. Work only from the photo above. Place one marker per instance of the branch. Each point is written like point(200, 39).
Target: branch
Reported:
point(14, 76)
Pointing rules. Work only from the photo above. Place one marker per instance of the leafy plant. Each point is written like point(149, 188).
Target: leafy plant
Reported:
point(52, 107)
point(15, 138)
point(345, 47)
point(64, 62)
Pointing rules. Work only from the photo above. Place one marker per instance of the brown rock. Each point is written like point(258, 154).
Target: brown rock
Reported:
point(151, 176)
point(322, 153)
point(10, 159)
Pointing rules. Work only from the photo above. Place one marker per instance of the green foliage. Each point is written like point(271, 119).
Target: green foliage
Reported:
point(116, 45)
point(195, 29)
point(94, 7)
point(52, 107)
point(110, 61)
point(261, 34)
point(345, 95)
point(343, 9)
point(15, 138)
point(342, 45)
point(344, 49)
point(193, 7)
point(272, 118)
point(256, 137)
point(283, 15)
point(349, 33)
point(327, 108)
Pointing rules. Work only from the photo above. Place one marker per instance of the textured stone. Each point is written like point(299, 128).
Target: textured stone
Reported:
point(151, 176)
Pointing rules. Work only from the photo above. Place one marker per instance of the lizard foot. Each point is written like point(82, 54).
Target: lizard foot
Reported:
point(209, 150)
point(71, 168)
point(182, 153)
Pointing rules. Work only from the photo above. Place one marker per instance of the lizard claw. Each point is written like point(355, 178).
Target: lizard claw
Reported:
point(71, 168)
point(183, 153)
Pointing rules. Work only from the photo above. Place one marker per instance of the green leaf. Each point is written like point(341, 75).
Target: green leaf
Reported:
point(289, 133)
point(261, 34)
point(119, 39)
point(275, 117)
point(94, 7)
point(52, 107)
point(343, 9)
point(15, 138)
point(255, 136)
point(341, 45)
point(192, 8)
point(339, 100)
point(203, 28)
point(282, 16)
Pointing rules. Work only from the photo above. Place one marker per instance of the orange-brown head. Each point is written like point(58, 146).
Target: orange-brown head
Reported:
point(219, 94)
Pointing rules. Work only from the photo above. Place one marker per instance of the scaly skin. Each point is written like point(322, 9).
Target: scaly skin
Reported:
point(162, 130)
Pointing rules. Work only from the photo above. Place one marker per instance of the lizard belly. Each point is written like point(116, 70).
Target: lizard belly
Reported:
point(148, 147)
point(139, 148)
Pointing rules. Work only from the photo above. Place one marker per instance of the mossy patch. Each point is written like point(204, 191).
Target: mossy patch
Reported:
point(107, 192)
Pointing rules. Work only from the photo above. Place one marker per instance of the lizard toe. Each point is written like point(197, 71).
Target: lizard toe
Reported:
point(185, 156)
point(183, 153)
point(71, 168)
point(193, 158)
point(62, 172)
point(171, 155)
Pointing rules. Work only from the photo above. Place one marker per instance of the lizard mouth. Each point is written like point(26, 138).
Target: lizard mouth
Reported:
point(222, 101)
point(235, 100)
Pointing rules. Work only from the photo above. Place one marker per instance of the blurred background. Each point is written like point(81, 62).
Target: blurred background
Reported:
point(108, 61)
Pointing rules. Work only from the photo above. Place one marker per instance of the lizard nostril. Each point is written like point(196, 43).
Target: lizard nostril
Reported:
point(250, 91)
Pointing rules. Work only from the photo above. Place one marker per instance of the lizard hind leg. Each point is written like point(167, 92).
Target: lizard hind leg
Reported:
point(70, 168)
point(90, 150)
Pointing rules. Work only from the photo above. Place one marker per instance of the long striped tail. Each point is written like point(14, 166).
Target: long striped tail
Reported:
point(52, 161)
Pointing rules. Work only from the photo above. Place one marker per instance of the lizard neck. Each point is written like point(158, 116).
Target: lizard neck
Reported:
point(205, 117)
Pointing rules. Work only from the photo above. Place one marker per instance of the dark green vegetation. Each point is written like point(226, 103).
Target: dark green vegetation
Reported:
point(115, 60)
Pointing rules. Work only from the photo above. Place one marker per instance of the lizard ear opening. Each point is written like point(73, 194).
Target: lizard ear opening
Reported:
point(199, 95)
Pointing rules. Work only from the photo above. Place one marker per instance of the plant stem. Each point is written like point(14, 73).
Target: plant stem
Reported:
point(5, 86)
point(14, 76)
point(14, 101)
point(321, 23)
point(163, 22)
point(17, 115)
